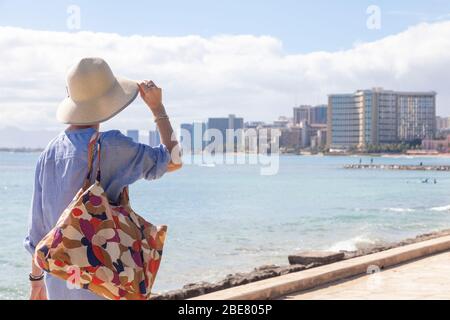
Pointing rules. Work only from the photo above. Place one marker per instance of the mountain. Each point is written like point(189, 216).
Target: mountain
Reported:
point(13, 137)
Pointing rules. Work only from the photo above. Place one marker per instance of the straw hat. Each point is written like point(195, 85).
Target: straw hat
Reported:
point(94, 93)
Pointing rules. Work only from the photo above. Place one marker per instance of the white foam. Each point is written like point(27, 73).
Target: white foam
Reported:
point(397, 156)
point(355, 243)
point(208, 165)
point(440, 209)
point(400, 210)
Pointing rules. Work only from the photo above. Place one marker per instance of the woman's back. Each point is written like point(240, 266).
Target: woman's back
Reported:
point(63, 167)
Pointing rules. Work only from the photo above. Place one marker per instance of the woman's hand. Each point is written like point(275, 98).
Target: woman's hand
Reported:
point(38, 290)
point(152, 96)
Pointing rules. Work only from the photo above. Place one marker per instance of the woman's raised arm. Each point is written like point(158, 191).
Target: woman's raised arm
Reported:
point(152, 96)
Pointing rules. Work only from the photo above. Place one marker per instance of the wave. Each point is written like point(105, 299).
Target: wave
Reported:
point(397, 156)
point(440, 209)
point(400, 210)
point(208, 165)
point(353, 244)
point(393, 209)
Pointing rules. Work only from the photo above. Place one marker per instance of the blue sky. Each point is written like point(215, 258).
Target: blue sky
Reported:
point(302, 26)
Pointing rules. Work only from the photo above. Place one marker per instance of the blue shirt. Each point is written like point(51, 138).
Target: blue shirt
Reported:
point(61, 171)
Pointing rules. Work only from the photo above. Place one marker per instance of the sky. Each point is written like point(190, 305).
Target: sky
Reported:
point(256, 59)
point(303, 26)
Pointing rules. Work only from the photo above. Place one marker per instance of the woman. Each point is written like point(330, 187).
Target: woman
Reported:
point(95, 95)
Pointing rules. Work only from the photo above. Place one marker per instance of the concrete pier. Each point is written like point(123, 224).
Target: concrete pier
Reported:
point(392, 274)
point(423, 279)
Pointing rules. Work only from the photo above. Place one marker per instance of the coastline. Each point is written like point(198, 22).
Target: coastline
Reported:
point(420, 167)
point(192, 290)
point(301, 153)
point(21, 150)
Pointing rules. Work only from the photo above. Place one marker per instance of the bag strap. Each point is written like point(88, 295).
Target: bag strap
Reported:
point(93, 142)
point(124, 196)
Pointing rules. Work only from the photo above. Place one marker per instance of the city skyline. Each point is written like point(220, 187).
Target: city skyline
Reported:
point(316, 129)
point(363, 119)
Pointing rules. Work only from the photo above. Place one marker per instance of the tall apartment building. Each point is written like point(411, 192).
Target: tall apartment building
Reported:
point(198, 137)
point(442, 123)
point(417, 115)
point(186, 133)
point(377, 116)
point(310, 114)
point(153, 137)
point(192, 137)
point(133, 134)
point(224, 124)
point(302, 114)
point(318, 114)
point(344, 121)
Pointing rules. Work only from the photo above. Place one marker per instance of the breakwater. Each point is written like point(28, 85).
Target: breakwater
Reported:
point(398, 167)
point(270, 271)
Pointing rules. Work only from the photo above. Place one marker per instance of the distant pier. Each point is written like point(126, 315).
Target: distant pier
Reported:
point(398, 167)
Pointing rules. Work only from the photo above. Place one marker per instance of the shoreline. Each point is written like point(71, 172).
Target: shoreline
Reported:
point(420, 167)
point(391, 155)
point(192, 290)
point(21, 150)
point(302, 153)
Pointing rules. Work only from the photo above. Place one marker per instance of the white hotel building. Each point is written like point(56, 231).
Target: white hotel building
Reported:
point(377, 116)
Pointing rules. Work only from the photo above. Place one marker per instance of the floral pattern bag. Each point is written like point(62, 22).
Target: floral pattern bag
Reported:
point(103, 247)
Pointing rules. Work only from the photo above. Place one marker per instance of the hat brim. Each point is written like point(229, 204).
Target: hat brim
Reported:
point(103, 108)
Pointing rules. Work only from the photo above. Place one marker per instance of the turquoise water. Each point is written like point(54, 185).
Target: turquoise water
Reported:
point(229, 218)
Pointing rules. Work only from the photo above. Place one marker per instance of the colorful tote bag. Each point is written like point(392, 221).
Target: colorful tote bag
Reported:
point(103, 247)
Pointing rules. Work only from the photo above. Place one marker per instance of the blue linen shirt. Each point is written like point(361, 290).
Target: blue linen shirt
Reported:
point(61, 171)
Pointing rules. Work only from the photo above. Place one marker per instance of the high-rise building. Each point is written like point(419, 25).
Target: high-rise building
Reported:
point(377, 116)
point(310, 114)
point(343, 121)
point(417, 115)
point(302, 114)
point(318, 114)
point(232, 123)
point(442, 123)
point(317, 134)
point(321, 138)
point(186, 137)
point(198, 137)
point(220, 124)
point(235, 123)
point(133, 134)
point(153, 137)
point(192, 137)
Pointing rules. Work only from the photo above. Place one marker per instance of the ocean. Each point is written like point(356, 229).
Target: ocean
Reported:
point(229, 218)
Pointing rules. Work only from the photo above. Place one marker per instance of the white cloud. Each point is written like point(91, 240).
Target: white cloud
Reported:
point(246, 75)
